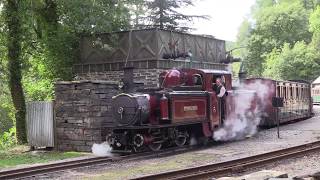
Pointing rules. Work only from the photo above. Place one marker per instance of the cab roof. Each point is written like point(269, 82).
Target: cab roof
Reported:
point(214, 71)
point(210, 71)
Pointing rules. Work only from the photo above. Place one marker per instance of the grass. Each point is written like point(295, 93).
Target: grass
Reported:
point(172, 163)
point(19, 155)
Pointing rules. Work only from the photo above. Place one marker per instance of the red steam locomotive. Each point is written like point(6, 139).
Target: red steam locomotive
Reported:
point(186, 105)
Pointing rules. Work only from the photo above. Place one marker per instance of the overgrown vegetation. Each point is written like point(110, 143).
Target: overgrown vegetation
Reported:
point(8, 139)
point(39, 43)
point(163, 14)
point(281, 40)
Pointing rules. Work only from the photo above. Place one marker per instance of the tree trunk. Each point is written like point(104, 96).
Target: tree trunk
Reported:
point(14, 67)
point(161, 14)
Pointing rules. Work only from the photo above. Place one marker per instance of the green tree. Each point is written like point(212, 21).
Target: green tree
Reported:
point(164, 15)
point(56, 27)
point(315, 28)
point(298, 62)
point(241, 44)
point(275, 25)
point(13, 25)
point(39, 43)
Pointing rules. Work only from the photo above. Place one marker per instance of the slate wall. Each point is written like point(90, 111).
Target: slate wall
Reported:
point(149, 77)
point(82, 109)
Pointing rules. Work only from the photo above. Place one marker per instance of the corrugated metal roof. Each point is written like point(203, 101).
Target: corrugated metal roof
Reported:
point(317, 81)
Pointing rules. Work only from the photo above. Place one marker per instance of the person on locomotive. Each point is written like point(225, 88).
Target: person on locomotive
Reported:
point(220, 90)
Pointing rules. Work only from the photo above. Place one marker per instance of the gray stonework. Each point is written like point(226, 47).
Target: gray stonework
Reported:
point(82, 110)
point(147, 76)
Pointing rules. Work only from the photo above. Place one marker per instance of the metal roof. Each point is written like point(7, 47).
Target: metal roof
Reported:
point(214, 71)
point(281, 81)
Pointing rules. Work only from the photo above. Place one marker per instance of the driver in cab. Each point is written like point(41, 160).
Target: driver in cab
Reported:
point(220, 89)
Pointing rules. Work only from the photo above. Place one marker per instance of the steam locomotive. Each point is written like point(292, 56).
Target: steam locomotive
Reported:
point(186, 105)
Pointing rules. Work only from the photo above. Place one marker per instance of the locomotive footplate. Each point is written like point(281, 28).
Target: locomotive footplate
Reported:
point(157, 126)
point(147, 138)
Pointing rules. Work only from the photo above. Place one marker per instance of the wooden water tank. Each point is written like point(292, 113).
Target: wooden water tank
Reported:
point(148, 49)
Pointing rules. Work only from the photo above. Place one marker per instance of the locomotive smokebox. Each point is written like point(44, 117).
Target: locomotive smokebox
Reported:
point(128, 79)
point(130, 109)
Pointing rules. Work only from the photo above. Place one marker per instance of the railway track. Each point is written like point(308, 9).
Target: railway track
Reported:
point(234, 166)
point(60, 166)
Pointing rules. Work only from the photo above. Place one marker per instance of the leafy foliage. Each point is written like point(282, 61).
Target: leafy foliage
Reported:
point(8, 139)
point(49, 37)
point(299, 62)
point(281, 39)
point(164, 15)
point(276, 25)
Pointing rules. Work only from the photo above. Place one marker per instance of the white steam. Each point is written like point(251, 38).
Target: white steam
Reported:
point(193, 141)
point(102, 149)
point(246, 115)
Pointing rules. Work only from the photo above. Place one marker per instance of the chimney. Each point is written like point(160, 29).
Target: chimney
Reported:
point(128, 79)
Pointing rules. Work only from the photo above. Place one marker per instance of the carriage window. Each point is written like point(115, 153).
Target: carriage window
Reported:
point(290, 93)
point(285, 92)
point(278, 91)
point(294, 93)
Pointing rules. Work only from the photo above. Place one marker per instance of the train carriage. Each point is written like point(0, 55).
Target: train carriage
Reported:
point(297, 102)
point(315, 93)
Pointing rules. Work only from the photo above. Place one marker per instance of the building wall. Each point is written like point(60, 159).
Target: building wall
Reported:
point(147, 76)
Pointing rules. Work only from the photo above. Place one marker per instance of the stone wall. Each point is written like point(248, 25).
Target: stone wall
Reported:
point(147, 76)
point(82, 109)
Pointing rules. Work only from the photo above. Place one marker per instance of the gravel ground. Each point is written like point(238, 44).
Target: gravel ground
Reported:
point(264, 141)
point(304, 165)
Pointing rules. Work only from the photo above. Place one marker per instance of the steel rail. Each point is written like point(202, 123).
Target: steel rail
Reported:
point(34, 170)
point(59, 166)
point(225, 168)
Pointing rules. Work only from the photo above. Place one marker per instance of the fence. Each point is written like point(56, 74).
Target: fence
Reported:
point(40, 124)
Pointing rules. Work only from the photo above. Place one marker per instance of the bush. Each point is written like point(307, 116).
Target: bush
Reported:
point(8, 139)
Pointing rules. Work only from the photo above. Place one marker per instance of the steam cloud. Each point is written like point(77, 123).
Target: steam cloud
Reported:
point(102, 149)
point(245, 117)
point(193, 141)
